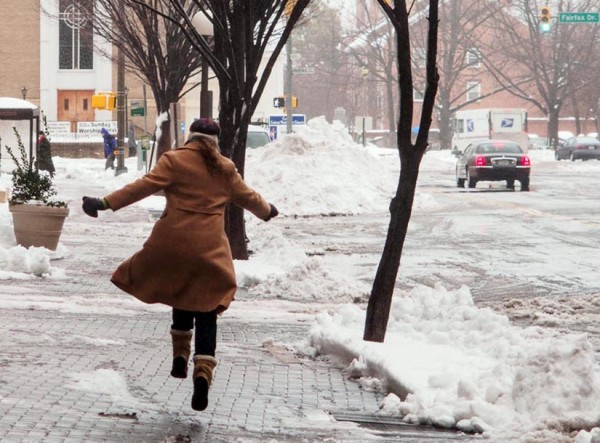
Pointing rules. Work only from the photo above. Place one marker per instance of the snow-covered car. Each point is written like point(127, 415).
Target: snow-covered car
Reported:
point(537, 142)
point(493, 160)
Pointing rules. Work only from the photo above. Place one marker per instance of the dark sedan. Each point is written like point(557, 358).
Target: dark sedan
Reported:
point(579, 148)
point(493, 160)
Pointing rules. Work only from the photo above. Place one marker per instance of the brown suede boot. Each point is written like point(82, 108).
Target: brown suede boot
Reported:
point(182, 348)
point(204, 366)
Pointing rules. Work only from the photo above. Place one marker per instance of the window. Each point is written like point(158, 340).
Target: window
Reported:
point(420, 57)
point(418, 95)
point(66, 104)
point(75, 40)
point(473, 90)
point(85, 104)
point(473, 58)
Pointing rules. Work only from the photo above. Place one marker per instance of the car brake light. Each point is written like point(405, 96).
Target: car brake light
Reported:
point(480, 160)
point(525, 161)
point(580, 147)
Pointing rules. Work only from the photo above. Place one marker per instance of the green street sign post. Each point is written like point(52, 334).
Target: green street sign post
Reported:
point(579, 17)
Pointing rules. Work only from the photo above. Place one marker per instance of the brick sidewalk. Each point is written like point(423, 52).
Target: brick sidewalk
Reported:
point(260, 392)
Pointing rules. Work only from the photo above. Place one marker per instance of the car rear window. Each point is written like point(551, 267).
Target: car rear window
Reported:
point(589, 140)
point(493, 148)
point(257, 139)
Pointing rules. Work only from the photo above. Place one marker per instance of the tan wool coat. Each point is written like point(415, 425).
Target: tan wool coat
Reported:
point(186, 262)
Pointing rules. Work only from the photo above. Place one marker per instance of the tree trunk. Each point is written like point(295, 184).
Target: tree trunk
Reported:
point(233, 146)
point(391, 137)
point(164, 141)
point(577, 114)
point(553, 128)
point(445, 125)
point(378, 309)
point(236, 227)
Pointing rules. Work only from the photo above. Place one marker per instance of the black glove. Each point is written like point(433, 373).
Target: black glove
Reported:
point(92, 205)
point(274, 212)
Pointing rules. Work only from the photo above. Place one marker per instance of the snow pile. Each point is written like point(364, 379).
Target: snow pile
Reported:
point(33, 260)
point(320, 170)
point(460, 366)
point(280, 268)
point(16, 261)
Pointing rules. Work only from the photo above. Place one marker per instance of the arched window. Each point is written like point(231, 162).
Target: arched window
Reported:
point(76, 36)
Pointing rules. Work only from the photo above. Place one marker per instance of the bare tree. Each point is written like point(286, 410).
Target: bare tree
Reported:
point(373, 48)
point(155, 50)
point(463, 23)
point(380, 301)
point(245, 31)
point(585, 96)
point(318, 46)
point(540, 67)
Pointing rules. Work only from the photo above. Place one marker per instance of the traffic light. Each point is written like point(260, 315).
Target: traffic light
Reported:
point(106, 101)
point(279, 102)
point(545, 19)
point(111, 102)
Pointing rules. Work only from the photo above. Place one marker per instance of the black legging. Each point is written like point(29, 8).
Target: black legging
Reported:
point(205, 342)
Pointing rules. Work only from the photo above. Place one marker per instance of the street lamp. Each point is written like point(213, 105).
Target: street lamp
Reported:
point(205, 28)
point(364, 71)
point(121, 117)
point(24, 92)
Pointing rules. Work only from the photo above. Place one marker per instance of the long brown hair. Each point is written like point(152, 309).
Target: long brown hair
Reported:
point(209, 151)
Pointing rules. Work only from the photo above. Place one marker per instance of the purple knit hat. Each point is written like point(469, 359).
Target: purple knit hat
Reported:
point(205, 126)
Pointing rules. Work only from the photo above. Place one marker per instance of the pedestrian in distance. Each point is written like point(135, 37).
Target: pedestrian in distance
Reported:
point(110, 148)
point(131, 143)
point(186, 262)
point(44, 161)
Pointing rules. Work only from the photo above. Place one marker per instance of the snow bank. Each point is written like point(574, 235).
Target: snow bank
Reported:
point(456, 365)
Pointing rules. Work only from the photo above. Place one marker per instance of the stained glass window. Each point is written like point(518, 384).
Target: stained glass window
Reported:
point(75, 44)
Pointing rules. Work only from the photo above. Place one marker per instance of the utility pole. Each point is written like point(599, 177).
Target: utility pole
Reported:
point(206, 99)
point(120, 114)
point(288, 97)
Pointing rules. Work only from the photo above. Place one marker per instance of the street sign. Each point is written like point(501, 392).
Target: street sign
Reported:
point(137, 108)
point(145, 142)
point(281, 120)
point(579, 17)
point(300, 71)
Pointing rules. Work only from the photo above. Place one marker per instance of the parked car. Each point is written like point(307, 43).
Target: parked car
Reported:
point(536, 142)
point(578, 148)
point(493, 160)
point(565, 135)
point(257, 136)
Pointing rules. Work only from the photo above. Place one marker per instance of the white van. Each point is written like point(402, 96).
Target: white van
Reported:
point(499, 124)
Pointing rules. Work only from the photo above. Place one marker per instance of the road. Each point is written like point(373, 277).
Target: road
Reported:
point(531, 255)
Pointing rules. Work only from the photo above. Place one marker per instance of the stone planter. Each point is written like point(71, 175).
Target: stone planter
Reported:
point(37, 224)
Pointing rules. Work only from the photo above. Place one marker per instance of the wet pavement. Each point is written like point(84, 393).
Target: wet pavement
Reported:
point(72, 377)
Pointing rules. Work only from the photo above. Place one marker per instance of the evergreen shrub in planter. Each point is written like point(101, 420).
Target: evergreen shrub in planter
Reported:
point(37, 218)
